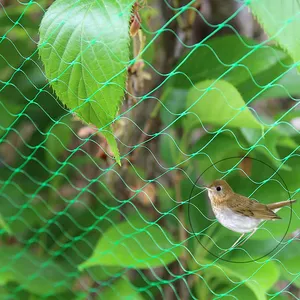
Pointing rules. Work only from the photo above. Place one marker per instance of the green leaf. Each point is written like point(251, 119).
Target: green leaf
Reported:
point(133, 244)
point(5, 278)
point(240, 292)
point(121, 289)
point(39, 275)
point(266, 145)
point(174, 100)
point(4, 225)
point(103, 273)
point(273, 294)
point(285, 87)
point(289, 258)
point(82, 295)
point(254, 88)
point(85, 49)
point(215, 148)
point(250, 76)
point(218, 105)
point(287, 142)
point(281, 21)
point(88, 222)
point(218, 55)
point(258, 278)
point(253, 248)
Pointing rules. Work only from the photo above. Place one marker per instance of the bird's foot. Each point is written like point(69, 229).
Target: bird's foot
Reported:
point(224, 251)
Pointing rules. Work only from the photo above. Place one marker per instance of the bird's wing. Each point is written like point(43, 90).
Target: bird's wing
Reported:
point(252, 208)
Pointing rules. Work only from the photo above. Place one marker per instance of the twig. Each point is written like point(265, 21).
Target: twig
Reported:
point(183, 291)
point(168, 292)
point(143, 137)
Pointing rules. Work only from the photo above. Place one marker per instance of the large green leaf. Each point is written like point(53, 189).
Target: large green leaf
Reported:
point(289, 258)
point(89, 224)
point(285, 87)
point(240, 292)
point(174, 100)
point(258, 278)
point(216, 57)
point(38, 275)
point(281, 21)
point(267, 144)
point(84, 47)
point(213, 149)
point(133, 244)
point(218, 103)
point(121, 289)
point(254, 88)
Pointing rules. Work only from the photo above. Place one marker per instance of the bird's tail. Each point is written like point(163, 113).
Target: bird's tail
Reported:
point(276, 206)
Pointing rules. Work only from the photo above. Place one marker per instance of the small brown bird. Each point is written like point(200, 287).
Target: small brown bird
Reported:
point(239, 213)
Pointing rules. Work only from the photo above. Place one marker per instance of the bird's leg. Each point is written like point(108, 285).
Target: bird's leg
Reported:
point(233, 244)
point(237, 241)
point(248, 237)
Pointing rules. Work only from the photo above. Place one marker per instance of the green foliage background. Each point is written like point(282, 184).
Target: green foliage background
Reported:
point(103, 136)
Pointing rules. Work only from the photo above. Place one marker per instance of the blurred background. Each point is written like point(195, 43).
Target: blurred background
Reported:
point(76, 225)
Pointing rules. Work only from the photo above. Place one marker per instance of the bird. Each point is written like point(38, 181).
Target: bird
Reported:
point(239, 213)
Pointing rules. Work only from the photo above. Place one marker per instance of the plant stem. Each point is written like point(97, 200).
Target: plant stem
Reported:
point(183, 291)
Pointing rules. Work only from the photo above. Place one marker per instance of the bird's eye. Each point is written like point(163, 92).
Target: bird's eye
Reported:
point(218, 188)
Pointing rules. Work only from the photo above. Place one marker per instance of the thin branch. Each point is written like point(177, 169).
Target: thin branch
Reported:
point(184, 293)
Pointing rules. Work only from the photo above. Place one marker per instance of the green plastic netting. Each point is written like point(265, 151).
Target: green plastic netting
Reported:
point(114, 116)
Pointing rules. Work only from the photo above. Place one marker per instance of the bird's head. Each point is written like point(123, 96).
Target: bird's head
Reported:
point(219, 190)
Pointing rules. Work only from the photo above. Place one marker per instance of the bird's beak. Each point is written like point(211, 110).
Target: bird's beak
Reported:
point(208, 188)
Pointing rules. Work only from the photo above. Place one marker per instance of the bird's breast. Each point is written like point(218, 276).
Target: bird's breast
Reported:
point(235, 221)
